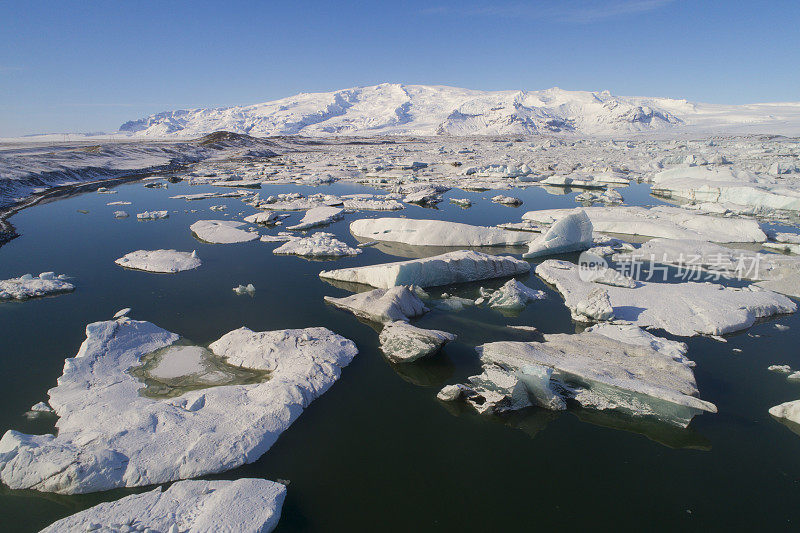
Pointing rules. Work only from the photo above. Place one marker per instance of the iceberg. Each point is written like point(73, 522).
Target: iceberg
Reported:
point(398, 303)
point(318, 216)
point(404, 343)
point(162, 261)
point(317, 245)
point(222, 231)
point(572, 233)
point(152, 215)
point(684, 309)
point(603, 369)
point(512, 295)
point(453, 267)
point(111, 435)
point(661, 221)
point(246, 505)
point(434, 233)
point(29, 286)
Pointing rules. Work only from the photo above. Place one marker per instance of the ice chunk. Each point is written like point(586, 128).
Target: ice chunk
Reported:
point(318, 216)
point(109, 435)
point(222, 231)
point(28, 286)
point(453, 267)
point(602, 372)
point(122, 312)
point(120, 214)
point(512, 295)
point(783, 369)
point(403, 343)
point(685, 309)
point(163, 261)
point(368, 204)
point(152, 215)
point(242, 505)
point(245, 289)
point(789, 411)
point(661, 221)
point(461, 202)
point(571, 233)
point(434, 232)
point(596, 306)
point(383, 305)
point(506, 200)
point(317, 245)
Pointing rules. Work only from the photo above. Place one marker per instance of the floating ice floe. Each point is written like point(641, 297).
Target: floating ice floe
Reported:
point(267, 218)
point(222, 231)
point(726, 185)
point(461, 202)
point(782, 369)
point(684, 309)
point(317, 245)
point(603, 369)
point(246, 505)
point(318, 216)
point(119, 203)
point(661, 221)
point(152, 215)
point(572, 233)
point(245, 289)
point(453, 267)
point(282, 236)
point(29, 286)
point(162, 261)
point(434, 232)
point(789, 411)
point(398, 303)
point(404, 343)
point(511, 296)
point(771, 271)
point(506, 200)
point(120, 214)
point(109, 435)
point(366, 204)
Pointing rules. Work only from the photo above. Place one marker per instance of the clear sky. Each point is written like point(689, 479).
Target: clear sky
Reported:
point(91, 65)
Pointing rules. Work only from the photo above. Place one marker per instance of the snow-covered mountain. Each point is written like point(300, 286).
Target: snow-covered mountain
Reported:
point(395, 109)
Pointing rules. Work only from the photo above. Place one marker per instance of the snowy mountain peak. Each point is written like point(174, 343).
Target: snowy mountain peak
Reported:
point(397, 109)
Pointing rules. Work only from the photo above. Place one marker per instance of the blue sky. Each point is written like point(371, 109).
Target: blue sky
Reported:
point(89, 66)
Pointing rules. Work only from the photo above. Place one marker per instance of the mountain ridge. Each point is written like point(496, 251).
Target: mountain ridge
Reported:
point(400, 109)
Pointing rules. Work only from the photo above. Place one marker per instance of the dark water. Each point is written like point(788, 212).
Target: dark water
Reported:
point(378, 451)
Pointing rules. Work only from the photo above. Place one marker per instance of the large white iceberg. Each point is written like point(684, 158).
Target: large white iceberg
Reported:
point(699, 259)
point(245, 505)
point(619, 368)
point(398, 303)
point(29, 286)
point(572, 233)
point(453, 267)
point(109, 435)
point(684, 309)
point(163, 261)
point(403, 343)
point(661, 221)
point(726, 185)
point(222, 231)
point(434, 232)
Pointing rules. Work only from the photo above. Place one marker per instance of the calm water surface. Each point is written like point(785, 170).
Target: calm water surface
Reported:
point(378, 451)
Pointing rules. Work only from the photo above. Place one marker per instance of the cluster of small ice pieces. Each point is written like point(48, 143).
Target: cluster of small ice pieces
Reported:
point(608, 367)
point(30, 286)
